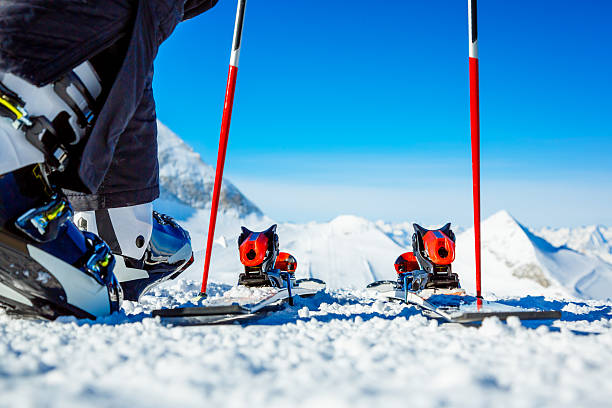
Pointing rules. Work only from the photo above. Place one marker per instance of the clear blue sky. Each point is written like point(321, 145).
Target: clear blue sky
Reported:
point(362, 107)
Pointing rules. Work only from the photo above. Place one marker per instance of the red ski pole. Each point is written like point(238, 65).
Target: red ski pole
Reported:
point(475, 126)
point(225, 127)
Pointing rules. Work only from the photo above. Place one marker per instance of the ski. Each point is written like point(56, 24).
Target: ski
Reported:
point(425, 279)
point(267, 284)
point(239, 309)
point(456, 307)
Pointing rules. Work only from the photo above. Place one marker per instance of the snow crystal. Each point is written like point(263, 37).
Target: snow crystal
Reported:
point(304, 313)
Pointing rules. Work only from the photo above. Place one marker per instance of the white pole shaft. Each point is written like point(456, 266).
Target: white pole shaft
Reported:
point(235, 57)
point(473, 30)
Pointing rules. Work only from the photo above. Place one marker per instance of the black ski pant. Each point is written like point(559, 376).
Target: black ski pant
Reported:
point(42, 40)
point(133, 175)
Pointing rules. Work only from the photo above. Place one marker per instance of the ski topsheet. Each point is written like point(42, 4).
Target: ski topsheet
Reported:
point(454, 306)
point(239, 304)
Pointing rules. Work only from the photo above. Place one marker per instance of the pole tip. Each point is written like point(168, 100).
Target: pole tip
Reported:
point(197, 299)
point(479, 301)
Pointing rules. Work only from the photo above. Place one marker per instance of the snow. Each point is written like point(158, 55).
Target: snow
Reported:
point(594, 240)
point(341, 348)
point(517, 261)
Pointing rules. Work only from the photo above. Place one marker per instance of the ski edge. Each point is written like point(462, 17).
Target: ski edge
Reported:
point(201, 311)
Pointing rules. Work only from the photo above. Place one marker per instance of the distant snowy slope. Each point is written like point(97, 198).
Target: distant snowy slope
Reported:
point(349, 251)
point(225, 261)
point(185, 178)
point(402, 232)
point(595, 240)
point(515, 261)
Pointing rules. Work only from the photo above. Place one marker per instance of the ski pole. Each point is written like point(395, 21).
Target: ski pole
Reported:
point(475, 127)
point(225, 127)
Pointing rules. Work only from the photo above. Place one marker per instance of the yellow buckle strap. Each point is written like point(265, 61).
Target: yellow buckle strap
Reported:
point(18, 114)
point(21, 116)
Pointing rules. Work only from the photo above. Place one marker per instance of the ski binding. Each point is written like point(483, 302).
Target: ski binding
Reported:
point(267, 283)
point(425, 279)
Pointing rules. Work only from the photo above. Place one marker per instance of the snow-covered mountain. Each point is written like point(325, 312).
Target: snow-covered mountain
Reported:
point(350, 251)
point(517, 261)
point(186, 179)
point(594, 240)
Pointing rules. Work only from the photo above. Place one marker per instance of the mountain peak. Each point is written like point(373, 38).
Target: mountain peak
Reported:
point(514, 259)
point(350, 223)
point(502, 217)
point(184, 177)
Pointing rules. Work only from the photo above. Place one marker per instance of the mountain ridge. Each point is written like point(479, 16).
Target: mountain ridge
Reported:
point(512, 250)
point(187, 179)
point(594, 240)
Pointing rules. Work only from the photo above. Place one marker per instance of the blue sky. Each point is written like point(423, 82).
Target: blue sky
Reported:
point(362, 107)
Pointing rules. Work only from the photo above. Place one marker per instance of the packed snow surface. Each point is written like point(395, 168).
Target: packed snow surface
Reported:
point(342, 348)
point(339, 349)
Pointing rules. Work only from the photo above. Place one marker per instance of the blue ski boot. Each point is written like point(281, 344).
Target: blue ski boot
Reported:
point(150, 248)
point(48, 268)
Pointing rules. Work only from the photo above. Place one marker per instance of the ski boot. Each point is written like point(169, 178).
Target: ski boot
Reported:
point(263, 264)
point(150, 247)
point(48, 268)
